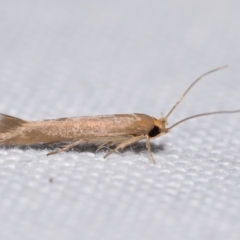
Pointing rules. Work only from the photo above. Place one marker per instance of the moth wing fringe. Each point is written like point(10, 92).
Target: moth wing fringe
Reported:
point(9, 123)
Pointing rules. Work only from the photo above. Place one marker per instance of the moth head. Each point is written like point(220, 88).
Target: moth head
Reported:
point(160, 124)
point(159, 128)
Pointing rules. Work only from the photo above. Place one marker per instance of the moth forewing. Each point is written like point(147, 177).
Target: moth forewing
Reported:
point(120, 130)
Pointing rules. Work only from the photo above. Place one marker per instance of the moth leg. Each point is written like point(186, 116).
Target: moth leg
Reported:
point(125, 144)
point(148, 146)
point(104, 144)
point(67, 147)
point(100, 146)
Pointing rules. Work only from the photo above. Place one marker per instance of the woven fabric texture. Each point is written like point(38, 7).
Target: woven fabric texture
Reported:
point(79, 58)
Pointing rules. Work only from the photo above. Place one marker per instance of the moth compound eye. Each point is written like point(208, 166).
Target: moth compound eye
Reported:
point(154, 132)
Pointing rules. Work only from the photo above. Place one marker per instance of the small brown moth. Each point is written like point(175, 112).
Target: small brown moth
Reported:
point(119, 130)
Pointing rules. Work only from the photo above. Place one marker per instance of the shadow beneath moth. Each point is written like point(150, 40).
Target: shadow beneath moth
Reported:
point(117, 131)
point(136, 148)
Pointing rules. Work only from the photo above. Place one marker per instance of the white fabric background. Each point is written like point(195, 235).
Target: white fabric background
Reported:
point(75, 58)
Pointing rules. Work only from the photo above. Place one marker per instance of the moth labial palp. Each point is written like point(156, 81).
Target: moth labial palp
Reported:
point(117, 131)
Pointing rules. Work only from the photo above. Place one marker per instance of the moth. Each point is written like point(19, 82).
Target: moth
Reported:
point(116, 131)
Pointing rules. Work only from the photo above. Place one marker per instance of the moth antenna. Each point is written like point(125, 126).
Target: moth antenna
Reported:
point(184, 94)
point(200, 115)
